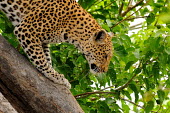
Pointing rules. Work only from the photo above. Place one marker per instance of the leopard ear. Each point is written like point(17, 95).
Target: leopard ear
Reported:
point(100, 36)
point(111, 34)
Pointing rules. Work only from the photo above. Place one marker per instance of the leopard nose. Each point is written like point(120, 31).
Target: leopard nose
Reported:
point(93, 66)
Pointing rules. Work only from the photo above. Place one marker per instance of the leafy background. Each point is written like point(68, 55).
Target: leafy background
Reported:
point(138, 79)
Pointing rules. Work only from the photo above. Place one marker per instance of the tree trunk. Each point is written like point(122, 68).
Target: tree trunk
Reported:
point(27, 89)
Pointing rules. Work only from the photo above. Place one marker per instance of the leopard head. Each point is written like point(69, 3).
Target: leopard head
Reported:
point(98, 51)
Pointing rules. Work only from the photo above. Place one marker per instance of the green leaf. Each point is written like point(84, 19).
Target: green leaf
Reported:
point(127, 94)
point(120, 51)
point(135, 90)
point(150, 18)
point(125, 107)
point(128, 65)
point(103, 107)
point(106, 27)
point(155, 71)
point(86, 3)
point(149, 106)
point(137, 53)
point(102, 79)
point(165, 18)
point(99, 16)
point(112, 75)
point(161, 95)
point(137, 70)
point(167, 50)
point(147, 83)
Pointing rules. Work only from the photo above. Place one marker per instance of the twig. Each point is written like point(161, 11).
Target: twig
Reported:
point(136, 25)
point(131, 102)
point(131, 7)
point(90, 93)
point(135, 104)
point(128, 16)
point(137, 28)
point(121, 9)
point(138, 17)
point(130, 2)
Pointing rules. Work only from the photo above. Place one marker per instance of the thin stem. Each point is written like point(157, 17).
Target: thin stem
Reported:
point(121, 8)
point(90, 93)
point(135, 104)
point(137, 28)
point(138, 17)
point(136, 25)
point(131, 102)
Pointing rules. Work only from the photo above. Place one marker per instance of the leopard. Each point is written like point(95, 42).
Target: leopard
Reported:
point(39, 23)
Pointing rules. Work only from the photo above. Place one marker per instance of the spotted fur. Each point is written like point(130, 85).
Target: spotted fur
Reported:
point(42, 22)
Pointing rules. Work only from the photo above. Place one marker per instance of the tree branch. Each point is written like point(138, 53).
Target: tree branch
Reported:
point(129, 16)
point(121, 87)
point(28, 90)
point(129, 8)
point(100, 91)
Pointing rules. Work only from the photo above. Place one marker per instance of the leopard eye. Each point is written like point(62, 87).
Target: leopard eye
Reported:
point(86, 54)
point(105, 56)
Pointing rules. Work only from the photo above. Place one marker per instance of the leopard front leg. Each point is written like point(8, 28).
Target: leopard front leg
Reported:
point(32, 46)
point(47, 52)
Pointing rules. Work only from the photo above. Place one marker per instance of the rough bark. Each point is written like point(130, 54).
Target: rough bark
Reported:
point(27, 89)
point(5, 106)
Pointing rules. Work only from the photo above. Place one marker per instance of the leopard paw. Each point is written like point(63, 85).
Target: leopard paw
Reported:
point(60, 79)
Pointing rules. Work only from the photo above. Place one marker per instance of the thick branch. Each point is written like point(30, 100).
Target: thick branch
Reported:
point(28, 90)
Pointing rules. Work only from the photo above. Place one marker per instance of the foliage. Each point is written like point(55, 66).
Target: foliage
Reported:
point(138, 79)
